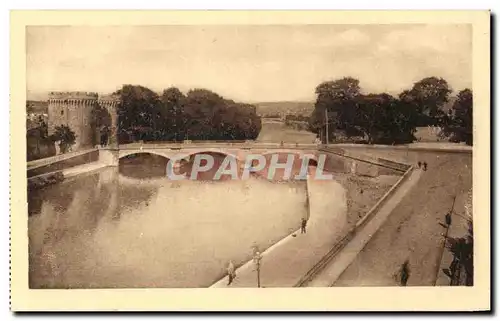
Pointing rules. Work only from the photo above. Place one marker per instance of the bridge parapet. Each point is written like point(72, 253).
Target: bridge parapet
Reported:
point(73, 95)
point(196, 145)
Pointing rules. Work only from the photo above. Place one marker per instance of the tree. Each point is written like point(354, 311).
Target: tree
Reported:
point(139, 113)
point(384, 119)
point(101, 121)
point(175, 120)
point(372, 116)
point(457, 124)
point(210, 116)
point(245, 124)
point(381, 118)
point(404, 119)
point(203, 109)
point(428, 97)
point(337, 98)
point(199, 115)
point(65, 136)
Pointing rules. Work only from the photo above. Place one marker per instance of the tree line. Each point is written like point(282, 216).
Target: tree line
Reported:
point(384, 119)
point(39, 144)
point(173, 116)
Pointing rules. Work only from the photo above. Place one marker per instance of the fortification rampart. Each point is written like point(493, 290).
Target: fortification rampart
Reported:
point(76, 109)
point(110, 103)
point(73, 95)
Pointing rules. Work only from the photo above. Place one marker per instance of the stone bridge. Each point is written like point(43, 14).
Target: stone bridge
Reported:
point(111, 156)
point(336, 158)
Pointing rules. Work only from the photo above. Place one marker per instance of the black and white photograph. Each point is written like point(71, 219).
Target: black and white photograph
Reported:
point(251, 155)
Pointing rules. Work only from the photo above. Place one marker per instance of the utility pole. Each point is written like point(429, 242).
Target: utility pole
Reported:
point(326, 125)
point(256, 259)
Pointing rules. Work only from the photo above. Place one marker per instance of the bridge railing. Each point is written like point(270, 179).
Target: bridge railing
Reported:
point(216, 144)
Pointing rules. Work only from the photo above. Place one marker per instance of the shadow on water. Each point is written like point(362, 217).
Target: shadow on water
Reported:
point(143, 166)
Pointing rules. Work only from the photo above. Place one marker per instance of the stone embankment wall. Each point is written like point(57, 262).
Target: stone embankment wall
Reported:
point(64, 164)
point(341, 161)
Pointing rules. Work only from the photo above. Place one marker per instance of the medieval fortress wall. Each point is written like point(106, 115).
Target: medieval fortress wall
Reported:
point(76, 110)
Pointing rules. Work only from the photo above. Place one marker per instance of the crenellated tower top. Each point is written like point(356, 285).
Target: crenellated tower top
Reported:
point(83, 95)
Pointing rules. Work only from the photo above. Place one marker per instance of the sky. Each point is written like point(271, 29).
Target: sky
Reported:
point(246, 63)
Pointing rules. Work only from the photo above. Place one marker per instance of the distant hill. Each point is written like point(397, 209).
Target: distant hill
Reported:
point(304, 108)
point(38, 96)
point(283, 108)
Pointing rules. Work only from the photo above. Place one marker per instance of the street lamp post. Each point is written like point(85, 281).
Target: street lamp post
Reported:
point(257, 258)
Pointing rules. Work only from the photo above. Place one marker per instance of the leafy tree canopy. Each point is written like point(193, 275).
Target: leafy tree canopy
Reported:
point(429, 96)
point(65, 136)
point(457, 124)
point(200, 114)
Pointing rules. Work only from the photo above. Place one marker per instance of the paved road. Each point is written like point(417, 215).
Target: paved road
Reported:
point(348, 254)
point(413, 231)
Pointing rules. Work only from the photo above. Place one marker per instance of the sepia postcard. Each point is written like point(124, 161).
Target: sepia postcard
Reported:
point(250, 161)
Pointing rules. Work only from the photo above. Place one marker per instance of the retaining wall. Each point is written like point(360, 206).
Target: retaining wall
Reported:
point(389, 167)
point(45, 180)
point(351, 233)
point(343, 161)
point(423, 147)
point(81, 159)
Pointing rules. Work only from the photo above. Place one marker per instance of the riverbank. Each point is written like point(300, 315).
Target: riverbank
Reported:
point(150, 233)
point(44, 180)
point(286, 262)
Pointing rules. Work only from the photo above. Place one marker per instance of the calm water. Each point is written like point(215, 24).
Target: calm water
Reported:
point(128, 227)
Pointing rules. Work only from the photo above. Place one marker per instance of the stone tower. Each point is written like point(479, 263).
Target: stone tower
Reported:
point(73, 109)
point(110, 104)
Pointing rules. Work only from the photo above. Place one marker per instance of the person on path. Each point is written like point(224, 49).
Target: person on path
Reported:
point(231, 272)
point(448, 219)
point(425, 166)
point(405, 273)
point(303, 226)
point(419, 164)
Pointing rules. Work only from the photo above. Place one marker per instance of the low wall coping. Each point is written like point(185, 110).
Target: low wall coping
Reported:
point(350, 234)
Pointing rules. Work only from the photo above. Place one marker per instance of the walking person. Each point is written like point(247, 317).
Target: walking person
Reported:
point(425, 166)
point(231, 272)
point(448, 219)
point(419, 164)
point(303, 226)
point(405, 273)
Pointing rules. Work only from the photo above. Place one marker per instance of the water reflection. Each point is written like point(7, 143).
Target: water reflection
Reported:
point(132, 227)
point(145, 165)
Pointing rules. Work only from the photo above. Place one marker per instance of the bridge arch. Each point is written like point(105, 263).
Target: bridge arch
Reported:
point(211, 151)
point(145, 164)
point(125, 153)
point(218, 165)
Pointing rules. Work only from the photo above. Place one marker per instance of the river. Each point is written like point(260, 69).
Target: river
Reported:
point(130, 227)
